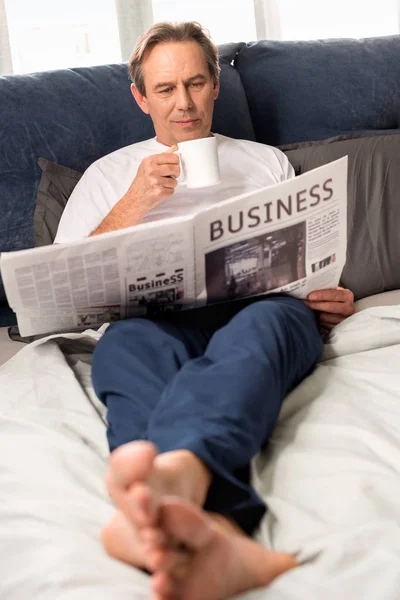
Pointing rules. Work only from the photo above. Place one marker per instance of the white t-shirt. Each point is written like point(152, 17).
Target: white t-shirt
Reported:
point(245, 166)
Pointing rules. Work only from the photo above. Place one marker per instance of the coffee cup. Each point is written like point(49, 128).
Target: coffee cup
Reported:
point(199, 162)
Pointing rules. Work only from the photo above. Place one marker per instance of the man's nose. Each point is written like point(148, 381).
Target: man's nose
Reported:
point(183, 99)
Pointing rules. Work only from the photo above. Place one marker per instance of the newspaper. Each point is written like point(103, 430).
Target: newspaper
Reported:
point(290, 237)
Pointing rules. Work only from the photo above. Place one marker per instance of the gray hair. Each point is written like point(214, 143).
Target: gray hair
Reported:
point(161, 33)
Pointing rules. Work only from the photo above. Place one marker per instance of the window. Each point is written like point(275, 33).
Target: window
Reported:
point(226, 20)
point(45, 34)
point(313, 19)
point(48, 34)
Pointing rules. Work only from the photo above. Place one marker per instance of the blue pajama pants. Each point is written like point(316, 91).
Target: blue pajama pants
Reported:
point(214, 390)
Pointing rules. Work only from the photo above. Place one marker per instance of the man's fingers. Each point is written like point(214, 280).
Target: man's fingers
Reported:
point(329, 320)
point(166, 159)
point(168, 183)
point(169, 170)
point(331, 295)
point(338, 308)
point(333, 305)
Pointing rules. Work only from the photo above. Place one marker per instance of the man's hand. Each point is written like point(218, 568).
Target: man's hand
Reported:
point(155, 180)
point(333, 305)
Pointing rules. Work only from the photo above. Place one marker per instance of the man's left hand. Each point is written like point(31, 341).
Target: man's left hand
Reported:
point(333, 305)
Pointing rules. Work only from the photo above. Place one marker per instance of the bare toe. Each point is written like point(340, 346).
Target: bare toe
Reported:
point(140, 504)
point(222, 563)
point(162, 553)
point(127, 481)
point(153, 536)
point(122, 541)
point(131, 463)
point(165, 587)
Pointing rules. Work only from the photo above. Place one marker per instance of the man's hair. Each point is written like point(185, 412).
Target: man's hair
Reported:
point(160, 33)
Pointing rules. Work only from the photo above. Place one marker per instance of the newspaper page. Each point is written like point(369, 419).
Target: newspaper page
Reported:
point(136, 271)
point(290, 237)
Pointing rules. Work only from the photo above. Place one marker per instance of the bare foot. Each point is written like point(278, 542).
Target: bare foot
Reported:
point(137, 480)
point(217, 563)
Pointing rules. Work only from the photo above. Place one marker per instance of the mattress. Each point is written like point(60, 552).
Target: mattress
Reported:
point(330, 474)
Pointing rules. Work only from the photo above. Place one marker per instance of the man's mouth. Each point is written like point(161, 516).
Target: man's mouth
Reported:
point(186, 122)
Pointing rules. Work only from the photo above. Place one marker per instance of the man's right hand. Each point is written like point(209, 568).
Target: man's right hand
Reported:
point(155, 180)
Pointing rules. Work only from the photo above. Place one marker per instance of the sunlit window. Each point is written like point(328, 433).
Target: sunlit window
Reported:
point(313, 19)
point(227, 20)
point(47, 34)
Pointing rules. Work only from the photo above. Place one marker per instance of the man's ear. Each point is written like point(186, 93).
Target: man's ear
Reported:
point(140, 99)
point(216, 89)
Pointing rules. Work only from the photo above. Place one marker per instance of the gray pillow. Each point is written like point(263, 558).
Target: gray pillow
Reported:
point(56, 185)
point(373, 253)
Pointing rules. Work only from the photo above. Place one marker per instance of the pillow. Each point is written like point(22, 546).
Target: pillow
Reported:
point(373, 252)
point(56, 185)
point(313, 89)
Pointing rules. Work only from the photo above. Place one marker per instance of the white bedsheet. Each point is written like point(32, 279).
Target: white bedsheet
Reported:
point(330, 474)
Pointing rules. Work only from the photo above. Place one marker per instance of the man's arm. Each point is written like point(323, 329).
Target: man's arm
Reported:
point(154, 181)
point(127, 212)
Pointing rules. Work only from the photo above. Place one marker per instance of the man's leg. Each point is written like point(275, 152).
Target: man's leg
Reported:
point(132, 364)
point(271, 346)
point(220, 406)
point(223, 405)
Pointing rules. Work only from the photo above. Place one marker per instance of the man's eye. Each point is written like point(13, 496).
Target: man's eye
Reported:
point(197, 85)
point(166, 91)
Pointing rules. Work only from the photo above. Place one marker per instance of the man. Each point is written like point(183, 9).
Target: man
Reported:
point(198, 393)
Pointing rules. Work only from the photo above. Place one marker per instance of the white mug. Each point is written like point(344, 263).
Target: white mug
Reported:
point(199, 162)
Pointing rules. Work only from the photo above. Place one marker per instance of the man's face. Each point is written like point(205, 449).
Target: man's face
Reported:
point(180, 92)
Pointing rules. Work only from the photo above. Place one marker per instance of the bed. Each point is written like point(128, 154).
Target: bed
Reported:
point(330, 473)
